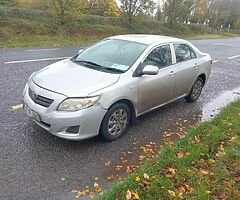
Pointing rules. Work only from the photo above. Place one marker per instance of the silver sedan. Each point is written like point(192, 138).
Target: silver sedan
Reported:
point(104, 88)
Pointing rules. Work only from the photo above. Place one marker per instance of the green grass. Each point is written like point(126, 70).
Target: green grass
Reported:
point(25, 28)
point(204, 165)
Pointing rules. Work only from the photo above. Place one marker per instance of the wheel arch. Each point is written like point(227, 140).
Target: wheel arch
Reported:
point(203, 77)
point(131, 107)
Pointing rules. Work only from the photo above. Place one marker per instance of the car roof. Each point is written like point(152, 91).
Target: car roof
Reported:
point(146, 39)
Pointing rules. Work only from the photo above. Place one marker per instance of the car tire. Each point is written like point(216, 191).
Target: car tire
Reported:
point(115, 122)
point(195, 91)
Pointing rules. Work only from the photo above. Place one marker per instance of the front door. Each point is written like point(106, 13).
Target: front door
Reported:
point(154, 90)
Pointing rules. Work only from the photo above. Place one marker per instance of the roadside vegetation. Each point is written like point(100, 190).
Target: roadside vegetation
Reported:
point(72, 22)
point(203, 165)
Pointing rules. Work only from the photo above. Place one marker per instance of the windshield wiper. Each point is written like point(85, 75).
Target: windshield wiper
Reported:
point(112, 69)
point(88, 63)
point(97, 66)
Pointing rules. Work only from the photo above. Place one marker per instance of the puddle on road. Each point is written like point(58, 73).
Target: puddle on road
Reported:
point(212, 108)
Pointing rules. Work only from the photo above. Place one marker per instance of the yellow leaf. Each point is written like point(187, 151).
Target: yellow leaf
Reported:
point(135, 195)
point(145, 175)
point(129, 195)
point(172, 193)
point(204, 172)
point(180, 154)
point(137, 178)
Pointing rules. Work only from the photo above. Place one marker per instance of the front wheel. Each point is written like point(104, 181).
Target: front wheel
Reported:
point(115, 122)
point(195, 91)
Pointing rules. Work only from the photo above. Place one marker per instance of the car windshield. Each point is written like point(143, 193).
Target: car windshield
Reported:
point(113, 55)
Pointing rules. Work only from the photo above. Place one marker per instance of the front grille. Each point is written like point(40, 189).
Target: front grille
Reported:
point(38, 99)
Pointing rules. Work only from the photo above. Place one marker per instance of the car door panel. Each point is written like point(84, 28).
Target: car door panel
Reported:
point(185, 74)
point(155, 90)
point(186, 68)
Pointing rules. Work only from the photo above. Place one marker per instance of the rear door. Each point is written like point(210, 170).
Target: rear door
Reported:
point(186, 68)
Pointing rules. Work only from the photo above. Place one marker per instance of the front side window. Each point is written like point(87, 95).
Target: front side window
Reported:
point(184, 52)
point(161, 57)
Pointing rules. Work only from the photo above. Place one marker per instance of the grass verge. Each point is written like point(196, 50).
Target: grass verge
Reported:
point(204, 165)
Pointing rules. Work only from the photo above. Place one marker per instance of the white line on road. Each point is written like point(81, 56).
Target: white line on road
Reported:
point(224, 44)
point(32, 50)
point(236, 56)
point(36, 60)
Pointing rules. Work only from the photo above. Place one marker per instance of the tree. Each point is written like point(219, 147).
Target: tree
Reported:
point(63, 8)
point(200, 10)
point(100, 7)
point(6, 2)
point(224, 12)
point(177, 10)
point(134, 7)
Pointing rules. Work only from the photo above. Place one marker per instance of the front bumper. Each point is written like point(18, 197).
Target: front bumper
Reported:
point(57, 122)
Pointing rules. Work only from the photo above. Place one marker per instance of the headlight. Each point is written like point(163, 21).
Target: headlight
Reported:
point(75, 104)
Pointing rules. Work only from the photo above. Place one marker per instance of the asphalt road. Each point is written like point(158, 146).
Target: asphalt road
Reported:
point(36, 165)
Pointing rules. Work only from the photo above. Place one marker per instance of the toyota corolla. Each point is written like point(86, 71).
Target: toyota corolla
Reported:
point(104, 88)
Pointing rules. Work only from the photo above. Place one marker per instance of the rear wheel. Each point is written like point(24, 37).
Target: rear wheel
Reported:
point(115, 122)
point(195, 91)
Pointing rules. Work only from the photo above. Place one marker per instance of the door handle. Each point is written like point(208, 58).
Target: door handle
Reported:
point(196, 66)
point(172, 73)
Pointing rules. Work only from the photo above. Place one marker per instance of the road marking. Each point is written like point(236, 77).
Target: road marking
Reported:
point(32, 50)
point(236, 56)
point(223, 44)
point(17, 107)
point(36, 60)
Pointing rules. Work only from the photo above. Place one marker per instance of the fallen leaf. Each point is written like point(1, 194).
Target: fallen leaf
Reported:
point(137, 178)
point(135, 195)
point(237, 179)
point(97, 188)
point(208, 192)
point(118, 167)
point(128, 195)
point(170, 172)
point(180, 154)
point(124, 161)
point(204, 172)
point(172, 193)
point(110, 178)
point(141, 158)
point(108, 163)
point(91, 195)
point(16, 107)
point(145, 175)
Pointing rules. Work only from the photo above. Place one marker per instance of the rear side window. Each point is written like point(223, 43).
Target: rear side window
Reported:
point(184, 52)
point(160, 56)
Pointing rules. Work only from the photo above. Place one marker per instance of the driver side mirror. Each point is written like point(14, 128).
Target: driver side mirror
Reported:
point(150, 70)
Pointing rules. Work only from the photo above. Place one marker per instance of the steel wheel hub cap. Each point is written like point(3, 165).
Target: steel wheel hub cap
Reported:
point(197, 88)
point(117, 122)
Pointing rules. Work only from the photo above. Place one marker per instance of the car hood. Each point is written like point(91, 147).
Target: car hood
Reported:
point(73, 80)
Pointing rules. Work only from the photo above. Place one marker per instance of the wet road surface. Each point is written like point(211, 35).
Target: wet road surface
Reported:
point(36, 165)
